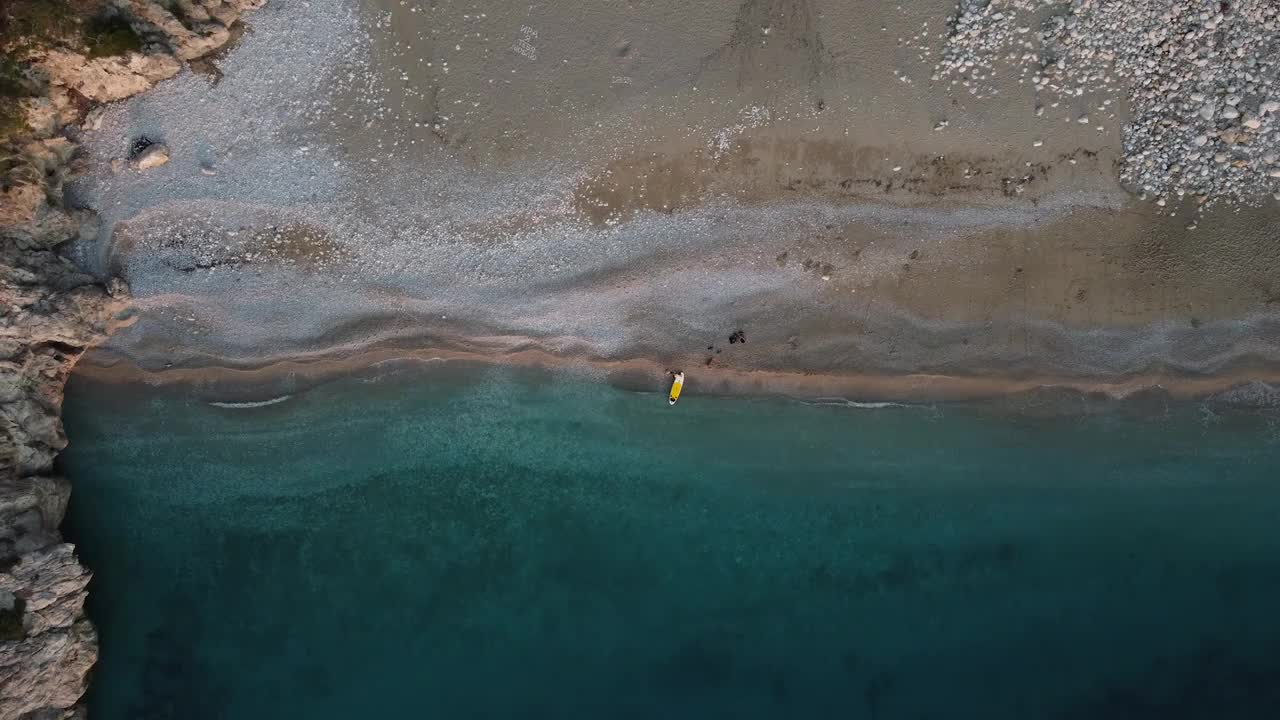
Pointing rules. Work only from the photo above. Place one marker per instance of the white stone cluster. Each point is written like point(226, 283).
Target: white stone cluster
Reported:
point(1202, 80)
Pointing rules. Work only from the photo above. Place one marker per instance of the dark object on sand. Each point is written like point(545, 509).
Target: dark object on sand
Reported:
point(737, 337)
point(141, 143)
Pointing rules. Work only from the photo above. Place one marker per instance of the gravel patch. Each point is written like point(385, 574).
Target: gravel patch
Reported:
point(1202, 80)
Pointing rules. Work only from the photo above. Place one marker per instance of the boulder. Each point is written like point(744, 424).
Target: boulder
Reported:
point(153, 156)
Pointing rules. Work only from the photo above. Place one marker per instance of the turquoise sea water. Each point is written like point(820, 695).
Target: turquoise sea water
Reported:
point(498, 543)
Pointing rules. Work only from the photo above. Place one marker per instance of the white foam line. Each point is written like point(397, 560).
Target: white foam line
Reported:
point(256, 404)
point(844, 402)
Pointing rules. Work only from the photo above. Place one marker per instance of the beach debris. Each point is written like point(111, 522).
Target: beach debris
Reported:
point(738, 337)
point(1202, 81)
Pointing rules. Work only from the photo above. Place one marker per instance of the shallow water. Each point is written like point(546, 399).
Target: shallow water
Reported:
point(473, 543)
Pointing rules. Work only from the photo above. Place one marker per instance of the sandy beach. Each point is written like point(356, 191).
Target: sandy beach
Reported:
point(628, 186)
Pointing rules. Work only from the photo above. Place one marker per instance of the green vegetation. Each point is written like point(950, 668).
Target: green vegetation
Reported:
point(13, 87)
point(28, 24)
point(13, 82)
point(16, 170)
point(11, 621)
point(12, 120)
point(111, 36)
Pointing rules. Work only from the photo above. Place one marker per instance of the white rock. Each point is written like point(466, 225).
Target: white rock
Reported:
point(1230, 113)
point(93, 120)
point(154, 156)
point(1252, 123)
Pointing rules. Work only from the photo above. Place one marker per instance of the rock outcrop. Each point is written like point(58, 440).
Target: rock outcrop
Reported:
point(50, 313)
point(46, 661)
point(189, 28)
point(169, 33)
point(73, 76)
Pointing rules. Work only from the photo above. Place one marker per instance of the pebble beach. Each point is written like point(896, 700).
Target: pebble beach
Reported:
point(991, 189)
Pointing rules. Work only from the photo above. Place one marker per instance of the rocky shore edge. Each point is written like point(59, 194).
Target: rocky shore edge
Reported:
point(58, 62)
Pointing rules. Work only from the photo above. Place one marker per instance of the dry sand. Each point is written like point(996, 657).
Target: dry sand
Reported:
point(623, 184)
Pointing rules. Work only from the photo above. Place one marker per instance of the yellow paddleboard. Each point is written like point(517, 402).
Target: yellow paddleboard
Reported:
point(676, 386)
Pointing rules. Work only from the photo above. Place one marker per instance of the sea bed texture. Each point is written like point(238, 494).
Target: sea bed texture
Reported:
point(50, 313)
point(1203, 81)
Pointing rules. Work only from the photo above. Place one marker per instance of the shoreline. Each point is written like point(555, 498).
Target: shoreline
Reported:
point(266, 382)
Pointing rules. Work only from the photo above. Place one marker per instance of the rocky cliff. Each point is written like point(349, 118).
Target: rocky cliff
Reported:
point(60, 58)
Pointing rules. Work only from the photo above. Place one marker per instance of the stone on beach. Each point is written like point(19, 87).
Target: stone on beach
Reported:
point(153, 156)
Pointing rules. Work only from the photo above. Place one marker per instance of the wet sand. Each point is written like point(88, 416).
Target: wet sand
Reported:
point(620, 185)
point(279, 380)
